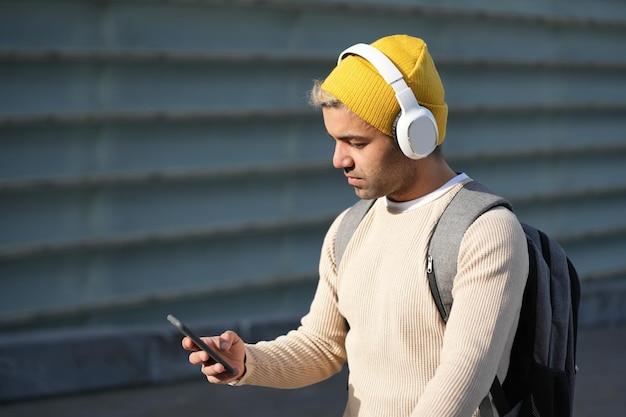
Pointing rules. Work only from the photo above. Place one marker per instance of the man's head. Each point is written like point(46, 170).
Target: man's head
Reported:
point(360, 107)
point(360, 86)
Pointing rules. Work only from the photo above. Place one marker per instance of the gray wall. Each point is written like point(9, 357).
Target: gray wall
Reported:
point(160, 156)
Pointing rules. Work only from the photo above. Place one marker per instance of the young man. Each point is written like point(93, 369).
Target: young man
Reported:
point(375, 310)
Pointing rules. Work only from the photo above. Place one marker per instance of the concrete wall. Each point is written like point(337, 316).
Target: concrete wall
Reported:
point(160, 157)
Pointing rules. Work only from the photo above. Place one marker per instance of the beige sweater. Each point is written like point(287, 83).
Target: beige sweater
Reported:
point(402, 360)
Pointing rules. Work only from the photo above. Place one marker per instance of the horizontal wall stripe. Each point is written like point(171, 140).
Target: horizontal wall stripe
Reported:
point(162, 56)
point(403, 10)
point(40, 55)
point(152, 238)
point(597, 149)
point(141, 116)
point(232, 173)
point(590, 236)
point(605, 275)
point(267, 227)
point(42, 316)
point(124, 303)
point(570, 195)
point(138, 178)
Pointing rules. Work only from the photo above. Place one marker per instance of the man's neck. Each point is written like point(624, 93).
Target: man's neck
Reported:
point(431, 174)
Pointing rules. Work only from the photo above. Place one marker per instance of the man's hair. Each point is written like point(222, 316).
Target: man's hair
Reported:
point(320, 98)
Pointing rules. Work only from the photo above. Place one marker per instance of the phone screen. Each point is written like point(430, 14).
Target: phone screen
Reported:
point(185, 330)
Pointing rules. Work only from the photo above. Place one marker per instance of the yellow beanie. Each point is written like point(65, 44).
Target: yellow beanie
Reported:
point(357, 84)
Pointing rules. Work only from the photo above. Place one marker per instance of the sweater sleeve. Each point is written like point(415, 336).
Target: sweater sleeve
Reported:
point(313, 352)
point(487, 292)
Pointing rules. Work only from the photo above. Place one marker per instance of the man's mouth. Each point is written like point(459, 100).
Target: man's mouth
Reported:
point(354, 181)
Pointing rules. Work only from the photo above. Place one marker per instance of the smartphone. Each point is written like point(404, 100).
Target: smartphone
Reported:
point(212, 354)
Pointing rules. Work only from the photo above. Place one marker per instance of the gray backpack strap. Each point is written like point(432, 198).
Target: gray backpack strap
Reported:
point(348, 225)
point(472, 200)
point(466, 206)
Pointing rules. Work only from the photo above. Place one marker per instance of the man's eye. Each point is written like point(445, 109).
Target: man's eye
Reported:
point(357, 145)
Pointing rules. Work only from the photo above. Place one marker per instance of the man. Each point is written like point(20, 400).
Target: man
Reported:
point(374, 309)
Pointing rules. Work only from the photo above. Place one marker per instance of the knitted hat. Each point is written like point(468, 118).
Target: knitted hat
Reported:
point(358, 85)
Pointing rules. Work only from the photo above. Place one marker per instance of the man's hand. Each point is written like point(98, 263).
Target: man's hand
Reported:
point(228, 345)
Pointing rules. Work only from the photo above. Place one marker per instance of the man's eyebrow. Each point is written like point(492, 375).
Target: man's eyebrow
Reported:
point(349, 137)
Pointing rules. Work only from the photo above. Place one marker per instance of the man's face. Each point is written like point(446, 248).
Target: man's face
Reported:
point(371, 160)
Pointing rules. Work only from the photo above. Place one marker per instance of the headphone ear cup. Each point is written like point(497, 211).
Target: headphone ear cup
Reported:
point(416, 132)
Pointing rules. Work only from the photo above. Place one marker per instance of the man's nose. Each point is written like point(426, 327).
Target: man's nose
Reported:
point(341, 157)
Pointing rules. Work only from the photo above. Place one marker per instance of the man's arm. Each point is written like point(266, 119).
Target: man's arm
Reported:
point(487, 293)
point(314, 351)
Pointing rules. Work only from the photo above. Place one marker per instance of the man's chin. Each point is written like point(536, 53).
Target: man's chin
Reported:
point(364, 194)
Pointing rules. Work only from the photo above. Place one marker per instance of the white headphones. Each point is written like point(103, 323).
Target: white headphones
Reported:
point(415, 127)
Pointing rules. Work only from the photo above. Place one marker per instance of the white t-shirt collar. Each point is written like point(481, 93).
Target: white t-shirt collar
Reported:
point(418, 202)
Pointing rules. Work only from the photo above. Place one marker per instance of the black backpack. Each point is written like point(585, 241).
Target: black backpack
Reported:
point(540, 380)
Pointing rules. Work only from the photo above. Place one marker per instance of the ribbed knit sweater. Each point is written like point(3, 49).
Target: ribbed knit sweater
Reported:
point(376, 312)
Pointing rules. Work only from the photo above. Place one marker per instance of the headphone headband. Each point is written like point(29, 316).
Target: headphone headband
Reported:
point(380, 61)
point(387, 69)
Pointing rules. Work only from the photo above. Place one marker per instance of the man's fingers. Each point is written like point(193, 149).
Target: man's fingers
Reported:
point(217, 374)
point(199, 357)
point(188, 344)
point(227, 339)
